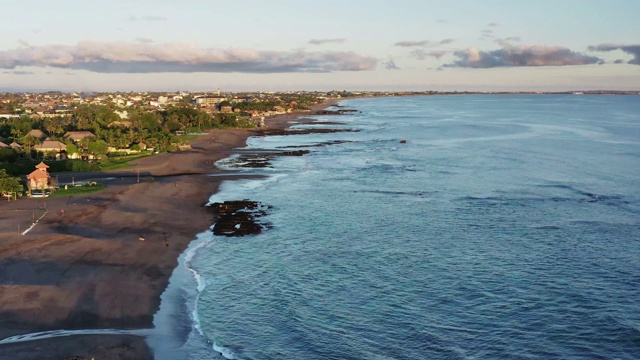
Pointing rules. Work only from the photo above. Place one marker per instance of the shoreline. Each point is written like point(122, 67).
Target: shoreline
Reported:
point(86, 269)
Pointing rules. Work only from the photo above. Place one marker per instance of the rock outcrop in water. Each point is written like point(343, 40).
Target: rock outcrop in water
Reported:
point(334, 112)
point(302, 131)
point(239, 218)
point(295, 153)
point(263, 159)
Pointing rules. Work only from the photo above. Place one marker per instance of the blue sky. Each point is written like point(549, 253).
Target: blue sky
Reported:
point(320, 45)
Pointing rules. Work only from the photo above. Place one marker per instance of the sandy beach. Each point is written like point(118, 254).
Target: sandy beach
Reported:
point(85, 267)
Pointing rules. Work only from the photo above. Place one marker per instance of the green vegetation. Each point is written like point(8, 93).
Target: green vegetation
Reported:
point(115, 133)
point(7, 155)
point(25, 166)
point(257, 106)
point(10, 185)
point(78, 190)
point(120, 162)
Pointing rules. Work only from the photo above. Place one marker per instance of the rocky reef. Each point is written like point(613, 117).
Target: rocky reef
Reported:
point(303, 131)
point(334, 112)
point(239, 218)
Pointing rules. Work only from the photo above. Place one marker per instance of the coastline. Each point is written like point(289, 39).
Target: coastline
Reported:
point(86, 269)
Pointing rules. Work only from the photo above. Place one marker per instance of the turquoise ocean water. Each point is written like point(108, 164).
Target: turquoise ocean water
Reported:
point(507, 226)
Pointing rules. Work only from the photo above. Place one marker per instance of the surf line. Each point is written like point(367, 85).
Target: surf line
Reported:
point(62, 333)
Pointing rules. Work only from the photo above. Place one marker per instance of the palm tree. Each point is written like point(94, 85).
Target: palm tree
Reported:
point(30, 141)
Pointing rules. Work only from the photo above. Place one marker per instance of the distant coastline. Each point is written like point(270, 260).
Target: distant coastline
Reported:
point(355, 93)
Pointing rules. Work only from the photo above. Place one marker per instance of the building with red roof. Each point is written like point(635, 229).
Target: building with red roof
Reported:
point(39, 179)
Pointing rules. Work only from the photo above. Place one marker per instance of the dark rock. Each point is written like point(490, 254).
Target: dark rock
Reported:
point(302, 131)
point(262, 159)
point(239, 218)
point(326, 143)
point(295, 153)
point(334, 112)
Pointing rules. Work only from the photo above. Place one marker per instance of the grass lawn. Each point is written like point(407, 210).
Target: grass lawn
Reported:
point(120, 162)
point(78, 190)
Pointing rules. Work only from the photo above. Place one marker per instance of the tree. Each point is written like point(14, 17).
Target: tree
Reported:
point(91, 117)
point(72, 149)
point(227, 119)
point(19, 127)
point(150, 121)
point(171, 126)
point(84, 143)
point(9, 184)
point(51, 154)
point(98, 148)
point(29, 141)
point(7, 155)
point(55, 125)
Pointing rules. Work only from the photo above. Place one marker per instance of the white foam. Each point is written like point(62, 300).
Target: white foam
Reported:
point(200, 283)
point(62, 333)
point(226, 353)
point(164, 342)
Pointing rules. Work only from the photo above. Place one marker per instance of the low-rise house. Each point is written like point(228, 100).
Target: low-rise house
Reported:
point(3, 145)
point(79, 156)
point(76, 136)
point(122, 123)
point(39, 179)
point(16, 147)
point(209, 100)
point(52, 146)
point(124, 114)
point(37, 133)
point(131, 150)
point(240, 99)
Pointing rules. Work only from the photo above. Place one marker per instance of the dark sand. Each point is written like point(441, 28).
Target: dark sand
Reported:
point(87, 269)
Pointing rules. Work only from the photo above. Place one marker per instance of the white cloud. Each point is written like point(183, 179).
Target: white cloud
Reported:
point(145, 57)
point(325, 41)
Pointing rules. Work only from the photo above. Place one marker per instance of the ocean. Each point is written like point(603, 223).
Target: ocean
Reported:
point(506, 226)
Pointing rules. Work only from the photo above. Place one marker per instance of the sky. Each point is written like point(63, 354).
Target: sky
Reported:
point(281, 45)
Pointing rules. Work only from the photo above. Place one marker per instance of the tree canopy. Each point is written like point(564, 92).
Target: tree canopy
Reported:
point(9, 184)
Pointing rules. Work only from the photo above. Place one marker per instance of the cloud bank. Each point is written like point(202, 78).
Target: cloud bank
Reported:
point(326, 41)
point(421, 54)
point(629, 49)
point(423, 43)
point(18, 72)
point(409, 43)
point(524, 55)
point(178, 57)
